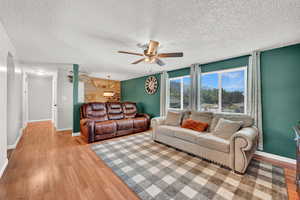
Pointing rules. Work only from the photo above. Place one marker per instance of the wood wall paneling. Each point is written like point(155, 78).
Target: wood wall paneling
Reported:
point(95, 87)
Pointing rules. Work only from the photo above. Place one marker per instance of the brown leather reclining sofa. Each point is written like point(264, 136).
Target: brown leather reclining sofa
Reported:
point(107, 120)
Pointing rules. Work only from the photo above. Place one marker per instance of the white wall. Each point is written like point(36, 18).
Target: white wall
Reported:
point(39, 97)
point(80, 92)
point(64, 101)
point(5, 47)
point(14, 101)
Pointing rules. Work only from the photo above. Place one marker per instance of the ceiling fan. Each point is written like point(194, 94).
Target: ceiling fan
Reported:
point(150, 54)
point(83, 76)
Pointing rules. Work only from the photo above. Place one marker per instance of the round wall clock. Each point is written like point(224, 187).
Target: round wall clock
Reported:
point(151, 85)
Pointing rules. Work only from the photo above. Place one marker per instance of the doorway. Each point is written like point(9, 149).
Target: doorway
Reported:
point(40, 96)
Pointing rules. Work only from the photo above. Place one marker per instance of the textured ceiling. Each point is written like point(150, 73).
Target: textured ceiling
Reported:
point(91, 32)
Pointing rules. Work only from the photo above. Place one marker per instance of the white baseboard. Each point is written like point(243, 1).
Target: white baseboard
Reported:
point(276, 157)
point(13, 146)
point(64, 129)
point(76, 134)
point(39, 120)
point(3, 167)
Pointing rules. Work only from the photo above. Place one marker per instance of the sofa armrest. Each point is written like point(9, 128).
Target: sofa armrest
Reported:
point(156, 121)
point(146, 116)
point(243, 144)
point(143, 115)
point(84, 121)
point(87, 128)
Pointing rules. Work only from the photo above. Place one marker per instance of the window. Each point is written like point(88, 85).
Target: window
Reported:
point(224, 91)
point(179, 92)
point(209, 92)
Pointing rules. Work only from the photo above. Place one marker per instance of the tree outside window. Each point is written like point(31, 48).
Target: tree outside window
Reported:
point(224, 91)
point(179, 92)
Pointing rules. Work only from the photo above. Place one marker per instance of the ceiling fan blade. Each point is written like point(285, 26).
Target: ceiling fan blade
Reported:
point(166, 55)
point(126, 52)
point(159, 62)
point(138, 61)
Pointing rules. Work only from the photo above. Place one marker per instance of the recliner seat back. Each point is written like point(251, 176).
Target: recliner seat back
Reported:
point(129, 109)
point(114, 111)
point(94, 110)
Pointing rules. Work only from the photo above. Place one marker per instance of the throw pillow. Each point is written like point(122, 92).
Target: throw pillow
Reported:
point(185, 115)
point(202, 116)
point(246, 119)
point(226, 128)
point(173, 118)
point(194, 125)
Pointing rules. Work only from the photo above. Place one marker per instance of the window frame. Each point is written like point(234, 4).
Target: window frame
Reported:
point(220, 72)
point(181, 91)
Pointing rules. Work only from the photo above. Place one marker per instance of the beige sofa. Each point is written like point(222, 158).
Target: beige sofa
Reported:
point(235, 153)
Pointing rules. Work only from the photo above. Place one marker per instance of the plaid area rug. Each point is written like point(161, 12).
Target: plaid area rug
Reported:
point(156, 171)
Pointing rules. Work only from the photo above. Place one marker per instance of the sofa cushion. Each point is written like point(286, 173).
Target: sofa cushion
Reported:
point(226, 128)
point(186, 114)
point(194, 125)
point(124, 124)
point(173, 118)
point(187, 135)
point(203, 139)
point(105, 127)
point(246, 119)
point(202, 116)
point(167, 130)
point(212, 142)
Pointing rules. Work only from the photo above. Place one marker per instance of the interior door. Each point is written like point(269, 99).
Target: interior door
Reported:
point(54, 100)
point(25, 100)
point(3, 109)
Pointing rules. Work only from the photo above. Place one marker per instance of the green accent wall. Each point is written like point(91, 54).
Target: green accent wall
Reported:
point(179, 72)
point(280, 75)
point(225, 64)
point(134, 90)
point(280, 71)
point(213, 66)
point(76, 105)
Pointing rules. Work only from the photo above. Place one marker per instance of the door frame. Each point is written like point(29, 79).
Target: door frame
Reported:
point(53, 74)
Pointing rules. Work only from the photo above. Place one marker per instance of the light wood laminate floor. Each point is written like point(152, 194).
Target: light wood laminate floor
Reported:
point(54, 165)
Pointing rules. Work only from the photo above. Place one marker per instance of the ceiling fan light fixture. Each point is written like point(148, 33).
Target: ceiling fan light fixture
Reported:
point(152, 48)
point(108, 93)
point(149, 59)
